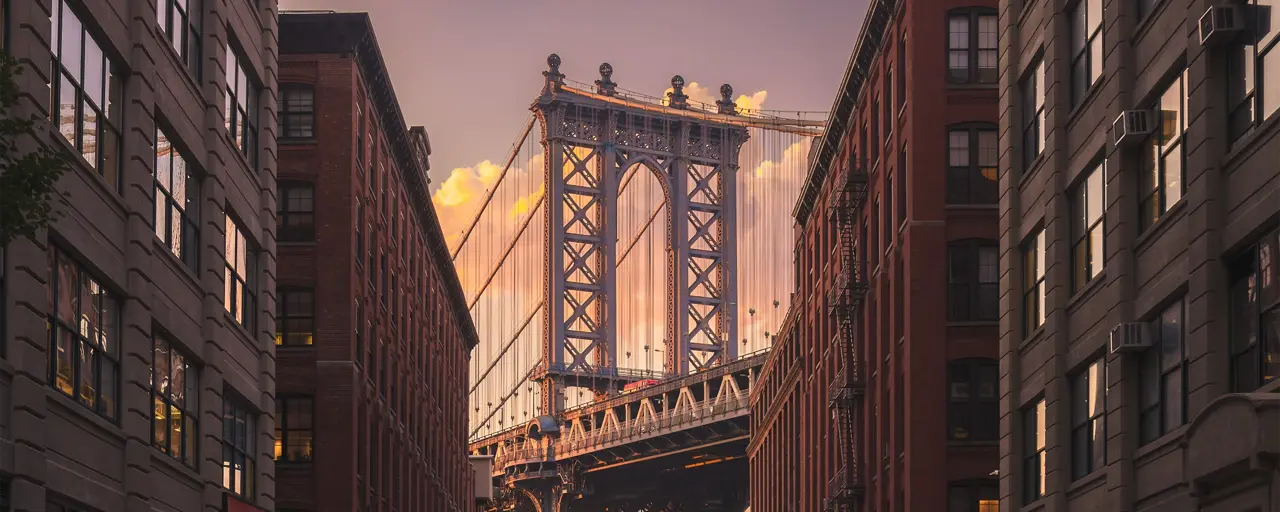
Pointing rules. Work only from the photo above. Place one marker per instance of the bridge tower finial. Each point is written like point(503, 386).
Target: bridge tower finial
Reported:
point(605, 84)
point(726, 100)
point(554, 77)
point(677, 98)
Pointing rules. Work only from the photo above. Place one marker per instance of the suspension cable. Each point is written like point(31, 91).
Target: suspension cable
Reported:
point(528, 127)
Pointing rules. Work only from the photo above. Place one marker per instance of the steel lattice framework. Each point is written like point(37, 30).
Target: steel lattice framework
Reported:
point(592, 143)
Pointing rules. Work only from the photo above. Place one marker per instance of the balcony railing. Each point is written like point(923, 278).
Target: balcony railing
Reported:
point(842, 489)
point(847, 290)
point(844, 388)
point(850, 193)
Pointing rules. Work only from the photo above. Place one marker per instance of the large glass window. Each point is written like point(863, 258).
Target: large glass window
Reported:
point(1032, 94)
point(1088, 226)
point(177, 201)
point(84, 336)
point(1253, 69)
point(973, 496)
point(1163, 154)
point(295, 212)
point(175, 388)
point(239, 277)
point(1255, 316)
point(239, 431)
point(1088, 419)
point(1033, 290)
point(973, 280)
point(1086, 47)
point(180, 21)
point(1162, 382)
point(294, 434)
point(360, 129)
point(297, 111)
point(974, 409)
point(1034, 434)
point(972, 47)
point(295, 324)
point(973, 154)
point(86, 91)
point(242, 107)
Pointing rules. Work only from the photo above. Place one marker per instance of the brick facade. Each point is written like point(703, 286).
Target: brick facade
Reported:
point(390, 384)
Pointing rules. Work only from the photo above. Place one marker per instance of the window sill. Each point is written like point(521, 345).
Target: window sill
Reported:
point(1241, 145)
point(1161, 443)
point(183, 270)
point(1031, 339)
point(1147, 20)
point(192, 81)
point(239, 155)
point(301, 141)
point(295, 348)
point(174, 464)
point(1160, 226)
point(973, 323)
point(1092, 479)
point(1085, 102)
point(74, 406)
point(76, 159)
point(1087, 290)
point(973, 207)
point(304, 243)
point(1030, 170)
point(972, 86)
point(1025, 11)
point(952, 443)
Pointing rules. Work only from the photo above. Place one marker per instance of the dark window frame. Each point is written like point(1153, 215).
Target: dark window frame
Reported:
point(1089, 419)
point(1087, 51)
point(1086, 231)
point(241, 303)
point(292, 431)
point(1158, 150)
point(1031, 89)
point(968, 404)
point(240, 107)
point(973, 283)
point(239, 436)
point(972, 50)
point(165, 401)
point(103, 159)
point(1034, 437)
point(966, 182)
point(1246, 101)
point(1255, 308)
point(1158, 367)
point(186, 215)
point(100, 348)
point(296, 211)
point(1034, 295)
point(297, 112)
point(291, 314)
point(975, 492)
point(187, 45)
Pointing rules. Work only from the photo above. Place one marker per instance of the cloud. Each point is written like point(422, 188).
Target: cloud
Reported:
point(751, 103)
point(697, 93)
point(524, 204)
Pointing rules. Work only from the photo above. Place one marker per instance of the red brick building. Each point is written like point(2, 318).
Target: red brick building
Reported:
point(882, 391)
point(373, 332)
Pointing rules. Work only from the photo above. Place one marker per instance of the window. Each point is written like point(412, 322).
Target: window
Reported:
point(1032, 95)
point(295, 212)
point(1088, 226)
point(294, 434)
point(887, 215)
point(875, 234)
point(181, 26)
point(974, 409)
point(296, 316)
point(360, 127)
point(973, 496)
point(297, 111)
point(239, 430)
point(1086, 47)
point(84, 335)
point(241, 108)
point(1255, 316)
point(1162, 379)
point(1033, 290)
point(972, 47)
point(1145, 7)
point(973, 155)
point(1250, 68)
point(360, 229)
point(239, 276)
point(1163, 156)
point(874, 148)
point(175, 388)
point(177, 201)
point(1034, 433)
point(87, 93)
point(973, 280)
point(361, 329)
point(902, 73)
point(888, 101)
point(1088, 419)
point(902, 184)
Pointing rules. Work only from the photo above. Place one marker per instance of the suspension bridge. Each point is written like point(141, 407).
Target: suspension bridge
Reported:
point(626, 270)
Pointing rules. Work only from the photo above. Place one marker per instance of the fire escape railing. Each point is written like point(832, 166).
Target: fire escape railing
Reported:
point(845, 296)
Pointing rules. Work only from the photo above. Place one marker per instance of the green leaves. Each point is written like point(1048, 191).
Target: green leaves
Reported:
point(27, 178)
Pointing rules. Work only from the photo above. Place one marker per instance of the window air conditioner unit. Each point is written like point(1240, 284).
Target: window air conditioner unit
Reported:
point(1130, 337)
point(1220, 24)
point(1131, 127)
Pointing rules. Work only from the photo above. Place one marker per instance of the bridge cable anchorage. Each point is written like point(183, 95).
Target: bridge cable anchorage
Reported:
point(502, 260)
point(489, 195)
point(504, 399)
point(532, 314)
point(639, 235)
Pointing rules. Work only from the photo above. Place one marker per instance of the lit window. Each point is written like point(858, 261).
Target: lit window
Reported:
point(1255, 316)
point(1032, 95)
point(1162, 382)
point(1163, 156)
point(973, 496)
point(1034, 434)
point(294, 434)
point(973, 156)
point(297, 111)
point(295, 313)
point(1086, 47)
point(175, 385)
point(1088, 420)
point(239, 430)
point(241, 107)
point(177, 201)
point(972, 47)
point(1088, 226)
point(87, 94)
point(295, 212)
point(83, 325)
point(181, 26)
point(1253, 70)
point(974, 408)
point(239, 276)
point(1034, 293)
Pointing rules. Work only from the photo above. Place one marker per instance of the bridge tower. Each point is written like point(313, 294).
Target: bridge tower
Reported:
point(591, 139)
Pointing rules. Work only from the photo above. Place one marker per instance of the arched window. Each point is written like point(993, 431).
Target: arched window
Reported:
point(973, 280)
point(972, 46)
point(973, 154)
point(973, 412)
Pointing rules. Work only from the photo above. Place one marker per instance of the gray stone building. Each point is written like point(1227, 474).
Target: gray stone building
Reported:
point(1140, 329)
point(138, 364)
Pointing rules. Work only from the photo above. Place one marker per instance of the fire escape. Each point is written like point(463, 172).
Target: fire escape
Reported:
point(844, 490)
